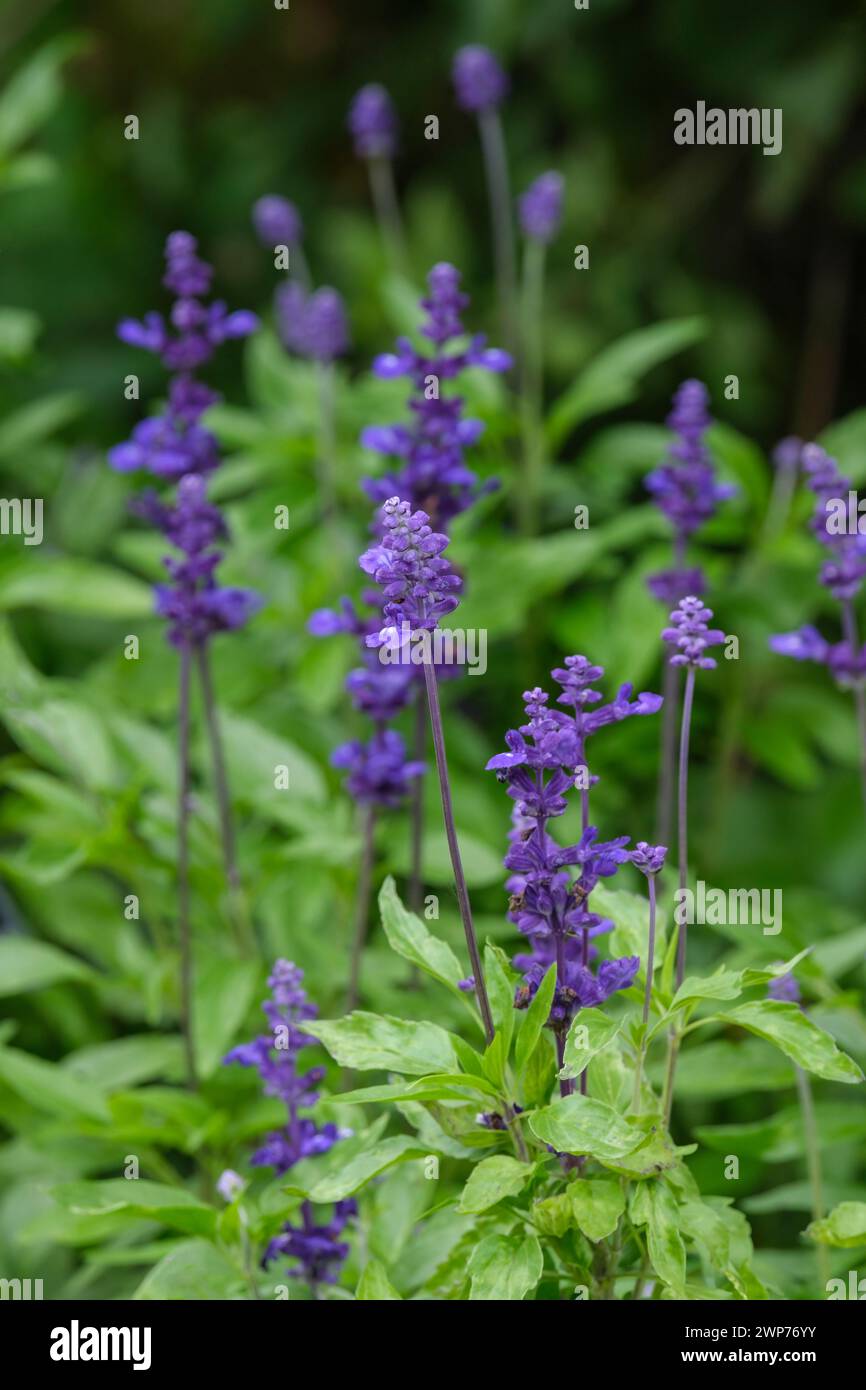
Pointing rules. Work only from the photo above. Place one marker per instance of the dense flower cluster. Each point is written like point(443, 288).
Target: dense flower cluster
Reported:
point(549, 904)
point(434, 475)
point(842, 573)
point(685, 488)
point(418, 583)
point(540, 207)
point(373, 123)
point(690, 634)
point(275, 1056)
point(176, 447)
point(479, 81)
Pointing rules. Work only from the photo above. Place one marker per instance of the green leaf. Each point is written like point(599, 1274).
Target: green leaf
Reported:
point(534, 1019)
point(35, 422)
point(33, 92)
point(47, 1087)
point(500, 991)
point(504, 1269)
point(629, 913)
point(597, 1203)
point(173, 1206)
point(19, 329)
point(844, 1227)
point(664, 1242)
point(612, 378)
point(590, 1032)
point(222, 994)
point(68, 737)
point(64, 584)
point(578, 1124)
point(374, 1286)
point(194, 1270)
point(361, 1167)
point(553, 1216)
point(493, 1179)
point(408, 936)
point(26, 964)
point(375, 1042)
point(797, 1036)
point(253, 754)
point(127, 1061)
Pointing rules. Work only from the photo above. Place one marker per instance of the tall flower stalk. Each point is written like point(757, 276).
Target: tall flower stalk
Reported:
point(540, 213)
point(649, 859)
point(315, 1249)
point(842, 574)
point(420, 587)
point(549, 907)
point(372, 122)
point(177, 448)
point(481, 86)
point(691, 636)
point(685, 490)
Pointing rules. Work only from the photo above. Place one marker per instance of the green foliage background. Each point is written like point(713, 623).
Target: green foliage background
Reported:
point(753, 262)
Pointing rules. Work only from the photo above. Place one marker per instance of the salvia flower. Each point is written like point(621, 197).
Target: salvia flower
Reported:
point(312, 325)
point(195, 605)
point(418, 583)
point(372, 122)
point(174, 443)
point(785, 989)
point(843, 572)
point(276, 1056)
point(230, 1185)
point(379, 771)
point(649, 859)
point(685, 488)
point(277, 222)
point(430, 447)
point(540, 207)
point(479, 80)
point(690, 634)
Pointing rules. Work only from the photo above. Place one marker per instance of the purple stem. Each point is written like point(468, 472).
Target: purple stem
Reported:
point(362, 905)
point(417, 808)
point(651, 946)
point(384, 194)
point(186, 1015)
point(682, 815)
point(566, 1085)
point(240, 917)
point(849, 627)
point(454, 850)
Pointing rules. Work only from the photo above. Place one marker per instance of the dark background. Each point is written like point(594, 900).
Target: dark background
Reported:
point(236, 99)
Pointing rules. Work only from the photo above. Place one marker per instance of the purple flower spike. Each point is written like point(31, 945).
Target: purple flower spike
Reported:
point(313, 325)
point(373, 123)
point(649, 859)
point(540, 207)
point(431, 446)
point(479, 81)
point(276, 1056)
point(685, 488)
point(379, 772)
point(277, 221)
point(418, 583)
point(691, 635)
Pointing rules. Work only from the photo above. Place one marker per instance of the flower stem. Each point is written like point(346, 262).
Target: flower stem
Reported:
point(238, 904)
point(566, 1085)
point(849, 627)
point(186, 1012)
point(419, 745)
point(362, 905)
point(813, 1160)
point(384, 195)
point(650, 957)
point(668, 753)
point(496, 172)
point(454, 850)
point(682, 815)
point(531, 384)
